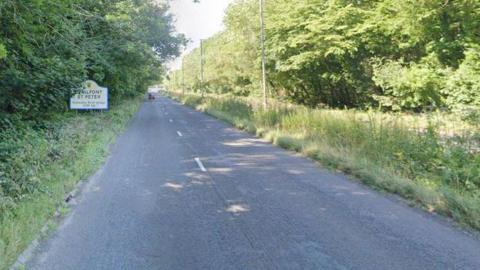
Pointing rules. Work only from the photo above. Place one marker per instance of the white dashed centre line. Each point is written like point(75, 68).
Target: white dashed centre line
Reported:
point(170, 120)
point(200, 164)
point(179, 134)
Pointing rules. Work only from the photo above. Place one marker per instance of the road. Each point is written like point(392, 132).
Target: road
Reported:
point(182, 190)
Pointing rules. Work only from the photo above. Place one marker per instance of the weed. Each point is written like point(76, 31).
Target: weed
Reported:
point(427, 159)
point(39, 165)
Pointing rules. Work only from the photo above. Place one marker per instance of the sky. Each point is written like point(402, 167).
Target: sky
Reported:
point(197, 20)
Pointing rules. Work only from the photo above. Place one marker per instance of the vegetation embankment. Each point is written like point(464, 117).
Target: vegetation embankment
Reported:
point(48, 49)
point(439, 173)
point(39, 166)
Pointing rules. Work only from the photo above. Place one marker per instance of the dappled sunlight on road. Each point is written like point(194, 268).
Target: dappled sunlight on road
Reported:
point(220, 170)
point(197, 178)
point(339, 190)
point(237, 208)
point(295, 172)
point(243, 143)
point(174, 186)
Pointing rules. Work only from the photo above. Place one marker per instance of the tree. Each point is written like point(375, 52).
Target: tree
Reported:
point(48, 48)
point(397, 55)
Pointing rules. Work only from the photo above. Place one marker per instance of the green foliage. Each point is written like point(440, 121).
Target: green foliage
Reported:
point(3, 51)
point(230, 57)
point(53, 46)
point(399, 55)
point(38, 167)
point(413, 87)
point(463, 86)
point(317, 51)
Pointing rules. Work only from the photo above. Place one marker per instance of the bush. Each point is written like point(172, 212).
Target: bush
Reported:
point(27, 149)
point(409, 87)
point(41, 162)
point(463, 87)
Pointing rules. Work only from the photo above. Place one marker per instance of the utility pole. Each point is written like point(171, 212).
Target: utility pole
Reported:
point(262, 40)
point(183, 76)
point(201, 67)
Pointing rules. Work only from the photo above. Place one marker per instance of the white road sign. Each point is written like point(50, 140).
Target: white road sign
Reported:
point(91, 97)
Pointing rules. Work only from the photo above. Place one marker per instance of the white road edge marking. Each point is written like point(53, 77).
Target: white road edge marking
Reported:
point(179, 134)
point(200, 164)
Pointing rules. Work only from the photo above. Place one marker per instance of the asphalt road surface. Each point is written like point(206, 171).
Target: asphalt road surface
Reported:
point(182, 190)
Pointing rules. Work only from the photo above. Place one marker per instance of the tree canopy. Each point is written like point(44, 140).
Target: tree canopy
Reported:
point(396, 55)
point(48, 48)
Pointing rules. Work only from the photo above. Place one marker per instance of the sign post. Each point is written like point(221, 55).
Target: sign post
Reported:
point(90, 97)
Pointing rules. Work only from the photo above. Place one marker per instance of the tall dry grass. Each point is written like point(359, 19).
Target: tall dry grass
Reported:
point(431, 159)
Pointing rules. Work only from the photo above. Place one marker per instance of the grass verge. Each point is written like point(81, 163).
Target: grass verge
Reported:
point(440, 174)
point(45, 164)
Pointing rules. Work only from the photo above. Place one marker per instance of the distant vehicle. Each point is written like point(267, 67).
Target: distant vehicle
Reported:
point(151, 96)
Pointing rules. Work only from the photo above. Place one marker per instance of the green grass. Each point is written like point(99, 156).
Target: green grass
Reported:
point(42, 175)
point(409, 155)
